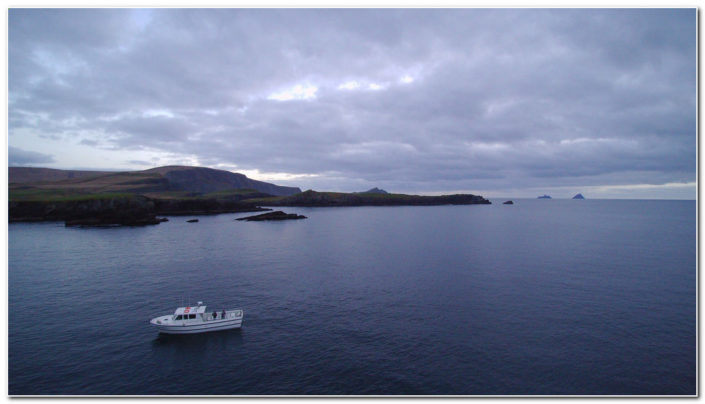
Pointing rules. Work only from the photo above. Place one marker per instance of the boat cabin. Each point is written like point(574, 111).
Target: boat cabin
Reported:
point(189, 313)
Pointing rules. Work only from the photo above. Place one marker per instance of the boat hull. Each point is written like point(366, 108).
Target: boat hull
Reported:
point(196, 329)
point(233, 321)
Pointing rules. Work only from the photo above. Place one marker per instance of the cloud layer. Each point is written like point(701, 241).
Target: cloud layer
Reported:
point(415, 100)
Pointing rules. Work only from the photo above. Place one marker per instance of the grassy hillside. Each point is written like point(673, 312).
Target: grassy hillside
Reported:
point(168, 182)
point(23, 175)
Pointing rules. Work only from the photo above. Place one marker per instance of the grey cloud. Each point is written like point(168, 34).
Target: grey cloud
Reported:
point(151, 131)
point(21, 157)
point(527, 96)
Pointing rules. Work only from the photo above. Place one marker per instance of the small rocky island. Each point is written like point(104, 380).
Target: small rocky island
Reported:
point(508, 203)
point(544, 197)
point(579, 196)
point(276, 215)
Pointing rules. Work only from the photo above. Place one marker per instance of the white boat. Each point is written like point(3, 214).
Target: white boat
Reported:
point(193, 320)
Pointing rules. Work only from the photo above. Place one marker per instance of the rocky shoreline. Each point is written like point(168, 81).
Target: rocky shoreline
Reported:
point(135, 210)
point(141, 210)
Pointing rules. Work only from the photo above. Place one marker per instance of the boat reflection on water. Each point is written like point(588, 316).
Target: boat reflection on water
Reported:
point(198, 344)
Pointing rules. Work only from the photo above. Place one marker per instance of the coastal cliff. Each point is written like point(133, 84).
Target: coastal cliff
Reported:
point(126, 210)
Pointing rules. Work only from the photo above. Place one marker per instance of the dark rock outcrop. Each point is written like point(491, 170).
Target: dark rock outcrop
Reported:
point(276, 215)
point(508, 203)
point(118, 211)
point(544, 197)
point(95, 211)
point(192, 221)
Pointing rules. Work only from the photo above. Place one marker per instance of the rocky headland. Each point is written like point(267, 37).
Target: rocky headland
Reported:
point(312, 198)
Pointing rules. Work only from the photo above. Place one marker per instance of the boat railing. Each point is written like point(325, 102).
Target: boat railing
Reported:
point(229, 314)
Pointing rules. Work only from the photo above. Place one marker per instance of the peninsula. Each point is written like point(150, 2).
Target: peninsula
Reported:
point(313, 198)
point(134, 198)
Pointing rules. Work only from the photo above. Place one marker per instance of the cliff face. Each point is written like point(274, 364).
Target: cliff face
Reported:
point(127, 210)
point(206, 180)
point(173, 207)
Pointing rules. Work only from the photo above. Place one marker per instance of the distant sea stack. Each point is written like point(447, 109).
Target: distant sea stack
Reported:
point(544, 197)
point(579, 196)
point(508, 203)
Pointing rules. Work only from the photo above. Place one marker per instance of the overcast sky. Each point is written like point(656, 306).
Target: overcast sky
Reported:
point(500, 102)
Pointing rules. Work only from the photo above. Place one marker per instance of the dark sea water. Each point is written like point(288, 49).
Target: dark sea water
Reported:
point(593, 297)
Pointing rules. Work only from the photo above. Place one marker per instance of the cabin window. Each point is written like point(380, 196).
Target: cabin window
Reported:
point(191, 316)
point(178, 317)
